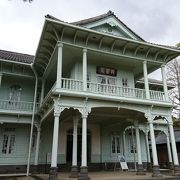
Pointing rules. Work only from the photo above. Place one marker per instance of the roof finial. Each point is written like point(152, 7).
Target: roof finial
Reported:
point(110, 12)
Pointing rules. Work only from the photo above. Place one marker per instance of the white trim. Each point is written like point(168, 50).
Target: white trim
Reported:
point(112, 22)
point(108, 35)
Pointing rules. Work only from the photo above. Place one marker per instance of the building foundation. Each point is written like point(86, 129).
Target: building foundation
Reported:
point(156, 171)
point(83, 175)
point(74, 172)
point(53, 173)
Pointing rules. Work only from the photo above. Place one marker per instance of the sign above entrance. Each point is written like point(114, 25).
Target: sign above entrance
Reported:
point(106, 71)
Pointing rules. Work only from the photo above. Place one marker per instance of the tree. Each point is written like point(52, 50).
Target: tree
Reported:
point(28, 1)
point(173, 77)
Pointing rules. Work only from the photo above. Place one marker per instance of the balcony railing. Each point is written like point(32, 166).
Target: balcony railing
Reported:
point(72, 84)
point(17, 105)
point(112, 90)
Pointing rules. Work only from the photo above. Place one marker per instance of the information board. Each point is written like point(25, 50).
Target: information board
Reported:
point(122, 162)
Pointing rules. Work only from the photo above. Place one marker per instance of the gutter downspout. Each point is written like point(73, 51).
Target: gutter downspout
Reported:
point(32, 121)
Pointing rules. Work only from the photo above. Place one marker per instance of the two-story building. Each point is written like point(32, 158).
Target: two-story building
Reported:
point(81, 100)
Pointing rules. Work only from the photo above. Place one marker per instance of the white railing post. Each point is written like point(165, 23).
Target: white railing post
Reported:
point(163, 72)
point(146, 79)
point(0, 79)
point(59, 66)
point(84, 69)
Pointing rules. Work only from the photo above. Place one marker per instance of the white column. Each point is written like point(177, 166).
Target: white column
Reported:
point(153, 144)
point(42, 91)
point(124, 143)
point(59, 66)
point(146, 84)
point(0, 78)
point(173, 144)
point(74, 153)
point(132, 132)
point(147, 149)
point(84, 141)
point(163, 72)
point(84, 69)
point(37, 146)
point(55, 141)
point(138, 143)
point(169, 149)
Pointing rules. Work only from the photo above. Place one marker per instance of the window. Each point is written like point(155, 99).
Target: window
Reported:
point(124, 82)
point(132, 146)
point(8, 141)
point(15, 93)
point(115, 144)
point(106, 80)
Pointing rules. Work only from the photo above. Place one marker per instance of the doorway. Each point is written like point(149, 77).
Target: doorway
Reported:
point(79, 145)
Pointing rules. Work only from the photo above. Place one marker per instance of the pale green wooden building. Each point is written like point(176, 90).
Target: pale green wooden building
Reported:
point(81, 101)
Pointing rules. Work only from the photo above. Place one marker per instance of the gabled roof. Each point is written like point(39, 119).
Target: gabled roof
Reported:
point(17, 57)
point(103, 16)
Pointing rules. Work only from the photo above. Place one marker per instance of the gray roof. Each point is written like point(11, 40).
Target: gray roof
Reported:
point(102, 16)
point(156, 82)
point(17, 57)
point(161, 138)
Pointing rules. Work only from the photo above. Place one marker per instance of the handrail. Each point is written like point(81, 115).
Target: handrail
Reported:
point(113, 90)
point(48, 95)
point(17, 105)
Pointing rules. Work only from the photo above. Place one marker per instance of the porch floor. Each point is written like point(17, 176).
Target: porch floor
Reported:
point(104, 175)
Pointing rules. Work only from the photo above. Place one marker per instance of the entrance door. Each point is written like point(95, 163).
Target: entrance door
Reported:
point(79, 145)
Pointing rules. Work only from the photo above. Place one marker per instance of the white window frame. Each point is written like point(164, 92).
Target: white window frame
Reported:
point(106, 78)
point(117, 150)
point(125, 82)
point(8, 145)
point(15, 92)
point(132, 146)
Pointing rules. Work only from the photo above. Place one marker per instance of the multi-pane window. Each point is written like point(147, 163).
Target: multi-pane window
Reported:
point(8, 143)
point(124, 82)
point(106, 80)
point(15, 93)
point(115, 144)
point(132, 146)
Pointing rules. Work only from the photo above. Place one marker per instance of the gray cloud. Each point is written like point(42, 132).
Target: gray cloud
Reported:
point(21, 23)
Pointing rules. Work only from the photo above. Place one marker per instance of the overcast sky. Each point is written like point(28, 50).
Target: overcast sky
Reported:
point(21, 23)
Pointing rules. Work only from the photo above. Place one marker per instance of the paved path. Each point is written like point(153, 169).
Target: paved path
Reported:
point(104, 175)
point(118, 175)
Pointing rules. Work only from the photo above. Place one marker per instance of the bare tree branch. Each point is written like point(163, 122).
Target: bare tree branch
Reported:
point(173, 77)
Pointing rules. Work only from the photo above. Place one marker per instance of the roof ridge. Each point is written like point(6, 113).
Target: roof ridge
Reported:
point(102, 16)
point(84, 21)
point(16, 56)
point(16, 52)
point(52, 17)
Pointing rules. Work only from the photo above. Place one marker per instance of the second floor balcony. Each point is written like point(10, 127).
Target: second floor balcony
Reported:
point(12, 106)
point(111, 90)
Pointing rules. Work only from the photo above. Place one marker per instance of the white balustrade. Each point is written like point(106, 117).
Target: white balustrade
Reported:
point(112, 90)
point(16, 105)
point(157, 95)
point(72, 84)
